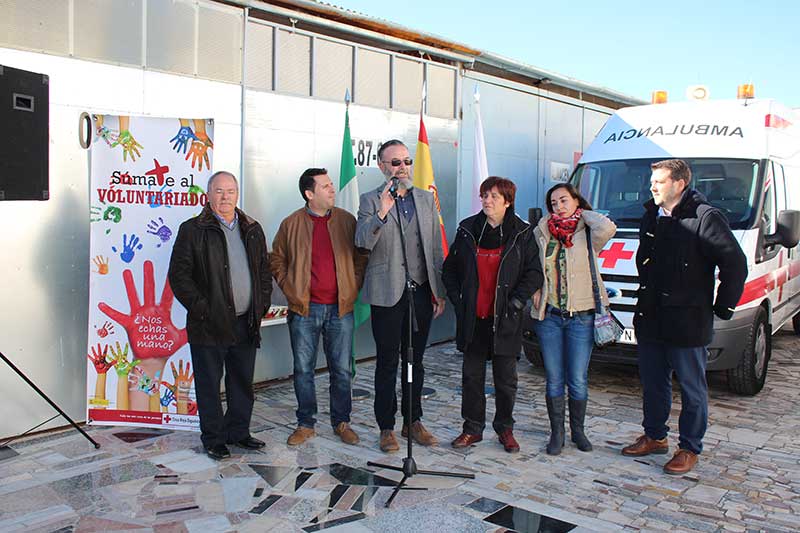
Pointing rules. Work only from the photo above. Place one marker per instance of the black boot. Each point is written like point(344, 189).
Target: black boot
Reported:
point(577, 413)
point(555, 410)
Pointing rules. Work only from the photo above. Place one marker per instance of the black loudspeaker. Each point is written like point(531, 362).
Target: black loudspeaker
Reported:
point(24, 135)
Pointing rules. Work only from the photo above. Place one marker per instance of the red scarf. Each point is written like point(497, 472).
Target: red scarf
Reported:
point(563, 228)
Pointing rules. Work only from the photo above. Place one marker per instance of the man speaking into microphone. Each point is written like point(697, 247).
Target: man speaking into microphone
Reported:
point(378, 230)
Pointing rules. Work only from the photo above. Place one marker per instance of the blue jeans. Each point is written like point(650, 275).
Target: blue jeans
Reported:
point(657, 361)
point(566, 343)
point(337, 343)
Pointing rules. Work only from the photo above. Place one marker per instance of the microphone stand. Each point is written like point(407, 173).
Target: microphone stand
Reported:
point(53, 404)
point(409, 468)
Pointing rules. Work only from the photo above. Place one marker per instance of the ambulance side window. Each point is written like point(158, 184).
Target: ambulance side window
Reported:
point(780, 187)
point(768, 213)
point(792, 182)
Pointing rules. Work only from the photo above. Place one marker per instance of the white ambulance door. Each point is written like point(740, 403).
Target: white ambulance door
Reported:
point(774, 203)
point(791, 200)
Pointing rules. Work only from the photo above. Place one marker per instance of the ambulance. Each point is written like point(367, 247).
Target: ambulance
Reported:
point(745, 159)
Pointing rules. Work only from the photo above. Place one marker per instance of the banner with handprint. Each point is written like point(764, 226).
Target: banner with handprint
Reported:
point(147, 176)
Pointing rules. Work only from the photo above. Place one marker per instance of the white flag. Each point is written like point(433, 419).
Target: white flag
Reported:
point(480, 168)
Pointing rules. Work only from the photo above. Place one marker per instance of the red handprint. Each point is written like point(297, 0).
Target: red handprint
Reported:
point(99, 358)
point(149, 327)
point(152, 335)
point(106, 330)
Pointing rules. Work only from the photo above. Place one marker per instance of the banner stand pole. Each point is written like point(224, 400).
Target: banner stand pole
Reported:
point(51, 402)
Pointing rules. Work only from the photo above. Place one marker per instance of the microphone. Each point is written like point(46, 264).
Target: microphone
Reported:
point(393, 187)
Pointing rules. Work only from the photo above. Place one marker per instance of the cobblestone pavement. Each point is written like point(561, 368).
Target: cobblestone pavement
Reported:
point(748, 477)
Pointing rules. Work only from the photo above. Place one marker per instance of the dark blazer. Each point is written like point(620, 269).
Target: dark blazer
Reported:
point(676, 261)
point(198, 275)
point(384, 279)
point(519, 276)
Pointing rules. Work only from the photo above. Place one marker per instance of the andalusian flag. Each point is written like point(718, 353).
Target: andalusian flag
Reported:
point(423, 175)
point(348, 184)
point(347, 198)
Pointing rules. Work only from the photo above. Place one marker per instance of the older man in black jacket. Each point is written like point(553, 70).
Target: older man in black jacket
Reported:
point(682, 240)
point(219, 271)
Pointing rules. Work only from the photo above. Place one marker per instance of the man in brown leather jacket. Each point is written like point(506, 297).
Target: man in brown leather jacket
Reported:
point(316, 264)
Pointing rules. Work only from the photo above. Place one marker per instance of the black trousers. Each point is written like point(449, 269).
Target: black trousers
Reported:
point(473, 380)
point(238, 361)
point(390, 330)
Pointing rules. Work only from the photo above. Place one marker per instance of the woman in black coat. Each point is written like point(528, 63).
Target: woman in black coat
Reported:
point(492, 270)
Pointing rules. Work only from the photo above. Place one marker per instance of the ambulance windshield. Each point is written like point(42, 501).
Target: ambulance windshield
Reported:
point(619, 189)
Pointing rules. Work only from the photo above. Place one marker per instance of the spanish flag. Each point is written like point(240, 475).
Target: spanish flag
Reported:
point(423, 175)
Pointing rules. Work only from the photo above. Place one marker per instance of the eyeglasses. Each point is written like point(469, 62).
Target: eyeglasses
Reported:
point(396, 162)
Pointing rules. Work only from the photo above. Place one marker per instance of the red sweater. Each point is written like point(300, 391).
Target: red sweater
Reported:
point(488, 266)
point(323, 266)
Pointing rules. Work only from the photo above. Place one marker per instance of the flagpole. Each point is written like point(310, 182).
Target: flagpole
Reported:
point(426, 392)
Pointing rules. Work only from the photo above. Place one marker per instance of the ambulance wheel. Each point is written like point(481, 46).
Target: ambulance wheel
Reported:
point(748, 378)
point(534, 357)
point(796, 323)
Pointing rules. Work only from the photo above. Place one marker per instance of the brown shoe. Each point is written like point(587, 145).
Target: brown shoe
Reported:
point(346, 433)
point(300, 435)
point(388, 441)
point(465, 440)
point(420, 434)
point(682, 462)
point(508, 441)
point(644, 445)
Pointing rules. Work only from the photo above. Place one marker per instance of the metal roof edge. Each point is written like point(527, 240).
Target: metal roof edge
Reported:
point(345, 20)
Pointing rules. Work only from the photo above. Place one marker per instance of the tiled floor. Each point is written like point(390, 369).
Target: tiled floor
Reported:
point(152, 480)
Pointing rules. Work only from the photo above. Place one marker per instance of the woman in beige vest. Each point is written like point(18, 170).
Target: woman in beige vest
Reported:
point(564, 307)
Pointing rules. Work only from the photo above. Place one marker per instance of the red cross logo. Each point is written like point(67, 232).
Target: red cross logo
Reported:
point(158, 171)
point(614, 254)
point(167, 418)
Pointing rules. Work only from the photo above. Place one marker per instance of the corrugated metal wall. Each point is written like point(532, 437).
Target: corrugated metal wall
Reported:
point(529, 133)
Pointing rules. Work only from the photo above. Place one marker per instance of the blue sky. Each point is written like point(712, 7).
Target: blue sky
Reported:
point(633, 47)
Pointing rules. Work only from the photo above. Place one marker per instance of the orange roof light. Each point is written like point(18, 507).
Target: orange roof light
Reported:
point(658, 97)
point(745, 90)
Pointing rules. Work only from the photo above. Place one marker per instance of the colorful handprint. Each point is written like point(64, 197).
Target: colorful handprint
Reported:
point(106, 330)
point(129, 248)
point(160, 230)
point(199, 150)
point(153, 199)
point(129, 145)
point(183, 385)
point(99, 358)
point(102, 265)
point(168, 398)
point(182, 138)
point(109, 136)
point(123, 368)
point(113, 213)
point(102, 131)
point(140, 381)
point(119, 358)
